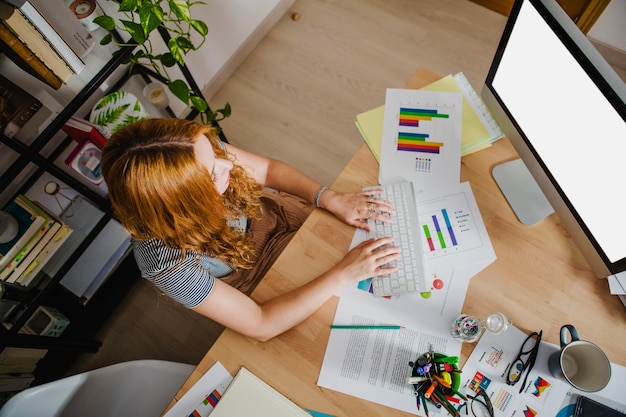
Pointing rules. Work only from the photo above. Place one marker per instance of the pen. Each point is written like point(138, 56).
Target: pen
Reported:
point(351, 326)
point(423, 400)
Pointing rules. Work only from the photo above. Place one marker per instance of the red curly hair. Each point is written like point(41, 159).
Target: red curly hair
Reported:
point(159, 190)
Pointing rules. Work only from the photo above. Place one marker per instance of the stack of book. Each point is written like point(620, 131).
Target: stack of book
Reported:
point(40, 235)
point(19, 361)
point(44, 38)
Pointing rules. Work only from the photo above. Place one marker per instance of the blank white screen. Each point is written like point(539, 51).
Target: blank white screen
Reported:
point(579, 136)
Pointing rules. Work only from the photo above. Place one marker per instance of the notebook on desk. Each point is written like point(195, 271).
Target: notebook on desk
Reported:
point(248, 395)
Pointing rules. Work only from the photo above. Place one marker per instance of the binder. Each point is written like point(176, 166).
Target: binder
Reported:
point(248, 395)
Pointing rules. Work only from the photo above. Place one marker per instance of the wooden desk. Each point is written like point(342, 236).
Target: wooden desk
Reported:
point(540, 280)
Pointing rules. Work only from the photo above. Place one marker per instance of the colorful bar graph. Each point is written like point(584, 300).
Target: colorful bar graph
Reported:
point(417, 142)
point(443, 235)
point(212, 398)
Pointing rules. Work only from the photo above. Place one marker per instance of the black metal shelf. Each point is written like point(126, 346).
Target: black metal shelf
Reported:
point(79, 335)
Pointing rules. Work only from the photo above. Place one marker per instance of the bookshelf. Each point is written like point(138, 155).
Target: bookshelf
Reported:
point(89, 276)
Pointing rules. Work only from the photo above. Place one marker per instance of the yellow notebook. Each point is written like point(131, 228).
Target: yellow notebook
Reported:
point(479, 128)
point(248, 395)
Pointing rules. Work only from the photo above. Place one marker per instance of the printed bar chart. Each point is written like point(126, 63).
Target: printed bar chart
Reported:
point(412, 141)
point(448, 226)
point(444, 241)
point(421, 139)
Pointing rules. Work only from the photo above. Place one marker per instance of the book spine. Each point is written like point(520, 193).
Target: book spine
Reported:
point(34, 40)
point(64, 50)
point(27, 261)
point(44, 256)
point(28, 58)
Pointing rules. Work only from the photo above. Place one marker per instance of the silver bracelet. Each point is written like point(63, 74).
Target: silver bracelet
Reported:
point(316, 200)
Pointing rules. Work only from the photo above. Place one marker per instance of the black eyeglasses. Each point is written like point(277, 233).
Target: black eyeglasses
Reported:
point(480, 404)
point(525, 360)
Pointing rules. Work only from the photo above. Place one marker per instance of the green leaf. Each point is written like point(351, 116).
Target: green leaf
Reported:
point(135, 30)
point(151, 16)
point(128, 5)
point(140, 54)
point(226, 111)
point(111, 98)
point(126, 120)
point(199, 103)
point(106, 39)
point(181, 9)
point(200, 27)
point(184, 43)
point(110, 115)
point(177, 53)
point(180, 89)
point(106, 22)
point(167, 59)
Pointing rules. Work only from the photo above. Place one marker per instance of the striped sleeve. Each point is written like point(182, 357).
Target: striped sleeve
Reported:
point(185, 280)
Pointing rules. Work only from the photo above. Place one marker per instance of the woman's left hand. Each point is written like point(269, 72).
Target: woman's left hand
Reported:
point(356, 208)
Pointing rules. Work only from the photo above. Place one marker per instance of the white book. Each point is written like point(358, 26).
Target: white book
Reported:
point(72, 59)
point(44, 256)
point(26, 262)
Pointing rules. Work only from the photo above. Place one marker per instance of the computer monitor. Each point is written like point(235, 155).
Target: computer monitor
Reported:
point(562, 107)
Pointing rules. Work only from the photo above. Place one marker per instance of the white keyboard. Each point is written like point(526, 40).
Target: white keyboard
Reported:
point(405, 230)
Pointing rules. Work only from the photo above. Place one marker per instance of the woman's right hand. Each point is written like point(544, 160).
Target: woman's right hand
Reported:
point(368, 259)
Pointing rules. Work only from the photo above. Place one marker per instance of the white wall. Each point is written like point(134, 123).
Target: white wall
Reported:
point(610, 28)
point(235, 28)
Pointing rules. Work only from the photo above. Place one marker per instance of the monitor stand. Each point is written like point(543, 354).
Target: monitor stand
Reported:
point(522, 192)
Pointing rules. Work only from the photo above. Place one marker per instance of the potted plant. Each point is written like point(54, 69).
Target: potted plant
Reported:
point(141, 18)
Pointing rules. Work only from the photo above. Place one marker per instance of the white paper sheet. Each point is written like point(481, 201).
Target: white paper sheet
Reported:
point(431, 161)
point(374, 364)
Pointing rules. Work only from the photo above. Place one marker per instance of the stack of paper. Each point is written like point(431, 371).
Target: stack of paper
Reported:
point(479, 128)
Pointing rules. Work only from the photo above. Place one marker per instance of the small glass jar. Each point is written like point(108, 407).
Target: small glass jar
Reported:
point(469, 328)
point(497, 323)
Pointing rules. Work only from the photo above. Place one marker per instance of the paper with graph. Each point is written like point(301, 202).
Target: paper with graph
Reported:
point(421, 139)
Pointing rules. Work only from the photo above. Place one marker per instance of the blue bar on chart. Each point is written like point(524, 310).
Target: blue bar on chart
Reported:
point(439, 231)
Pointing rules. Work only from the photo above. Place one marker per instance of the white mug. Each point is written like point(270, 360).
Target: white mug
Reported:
point(581, 363)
